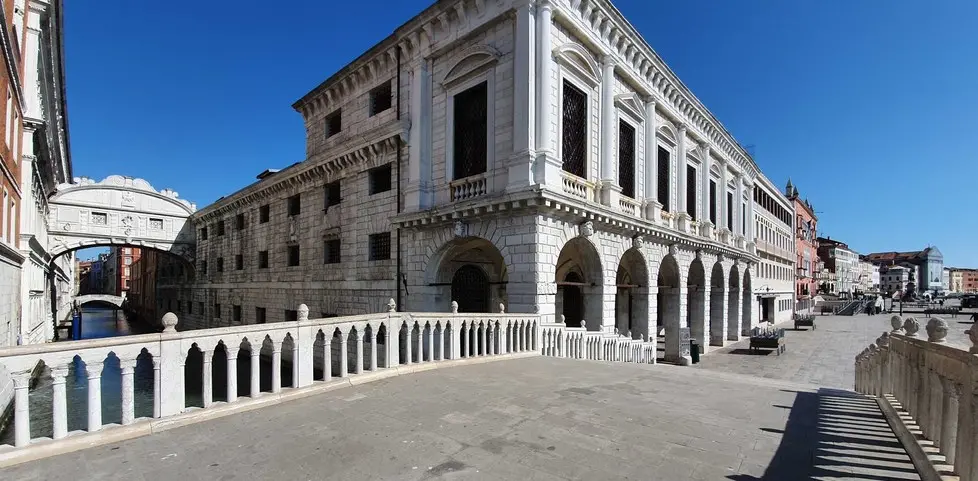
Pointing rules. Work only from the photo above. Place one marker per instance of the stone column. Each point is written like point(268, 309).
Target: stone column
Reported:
point(327, 357)
point(484, 330)
point(548, 166)
point(358, 349)
point(680, 170)
point(128, 403)
point(256, 370)
point(431, 342)
point(751, 235)
point(420, 344)
point(373, 350)
point(705, 222)
point(59, 403)
point(610, 190)
point(722, 193)
point(22, 414)
point(345, 354)
point(232, 373)
point(387, 344)
point(157, 386)
point(94, 395)
point(276, 366)
point(738, 206)
point(417, 192)
point(208, 379)
point(441, 341)
point(652, 205)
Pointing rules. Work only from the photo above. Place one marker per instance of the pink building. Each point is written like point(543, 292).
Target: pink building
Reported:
point(806, 248)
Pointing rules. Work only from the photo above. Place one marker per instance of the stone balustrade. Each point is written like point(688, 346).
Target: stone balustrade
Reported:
point(337, 348)
point(558, 340)
point(935, 384)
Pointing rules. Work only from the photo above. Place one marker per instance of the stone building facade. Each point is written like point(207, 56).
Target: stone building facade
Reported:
point(774, 222)
point(928, 265)
point(843, 263)
point(806, 248)
point(532, 154)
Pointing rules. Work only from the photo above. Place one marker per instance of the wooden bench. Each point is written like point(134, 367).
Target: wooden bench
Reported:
point(767, 339)
point(806, 320)
point(953, 311)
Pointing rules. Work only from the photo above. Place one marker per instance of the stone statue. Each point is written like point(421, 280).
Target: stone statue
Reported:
point(586, 229)
point(937, 330)
point(391, 305)
point(883, 340)
point(461, 229)
point(638, 242)
point(897, 324)
point(303, 314)
point(911, 326)
point(584, 324)
point(502, 308)
point(563, 319)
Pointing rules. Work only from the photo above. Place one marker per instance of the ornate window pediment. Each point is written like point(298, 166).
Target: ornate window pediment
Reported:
point(470, 62)
point(577, 59)
point(632, 105)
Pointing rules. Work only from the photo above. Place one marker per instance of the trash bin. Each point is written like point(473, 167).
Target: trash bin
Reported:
point(694, 351)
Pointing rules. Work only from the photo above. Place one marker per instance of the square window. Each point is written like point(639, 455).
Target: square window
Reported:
point(293, 255)
point(203, 267)
point(203, 233)
point(263, 259)
point(334, 123)
point(217, 310)
point(238, 262)
point(380, 179)
point(380, 246)
point(331, 251)
point(470, 131)
point(331, 194)
point(220, 264)
point(236, 313)
point(263, 214)
point(220, 228)
point(713, 202)
point(239, 222)
point(291, 315)
point(380, 98)
point(295, 205)
point(156, 224)
point(98, 218)
point(259, 315)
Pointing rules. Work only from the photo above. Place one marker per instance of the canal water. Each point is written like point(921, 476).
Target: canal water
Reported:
point(98, 322)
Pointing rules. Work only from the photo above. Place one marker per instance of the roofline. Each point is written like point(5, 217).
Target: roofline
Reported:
point(59, 24)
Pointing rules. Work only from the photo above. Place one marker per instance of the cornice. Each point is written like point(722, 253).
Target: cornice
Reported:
point(353, 152)
point(637, 57)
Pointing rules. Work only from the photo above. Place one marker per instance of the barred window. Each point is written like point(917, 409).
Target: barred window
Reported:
point(259, 315)
point(238, 262)
point(263, 214)
point(239, 222)
point(730, 209)
point(294, 205)
point(331, 194)
point(713, 202)
point(217, 310)
point(220, 228)
point(380, 246)
point(203, 233)
point(691, 191)
point(334, 123)
point(662, 157)
point(470, 132)
point(263, 259)
point(220, 264)
point(574, 130)
point(626, 158)
point(380, 98)
point(379, 179)
point(236, 313)
point(331, 251)
point(293, 255)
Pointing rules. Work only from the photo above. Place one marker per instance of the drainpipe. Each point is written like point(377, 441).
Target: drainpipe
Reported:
point(397, 173)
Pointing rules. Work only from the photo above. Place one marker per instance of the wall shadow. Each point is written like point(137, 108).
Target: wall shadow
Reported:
point(833, 434)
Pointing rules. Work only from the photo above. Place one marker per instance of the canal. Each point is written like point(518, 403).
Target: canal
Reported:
point(101, 322)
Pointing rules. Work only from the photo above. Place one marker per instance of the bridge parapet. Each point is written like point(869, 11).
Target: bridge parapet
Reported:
point(106, 298)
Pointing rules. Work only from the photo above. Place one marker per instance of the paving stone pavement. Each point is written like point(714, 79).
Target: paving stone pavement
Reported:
point(529, 419)
point(825, 356)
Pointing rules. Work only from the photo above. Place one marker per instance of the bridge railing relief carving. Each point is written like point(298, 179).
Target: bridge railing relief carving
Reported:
point(931, 386)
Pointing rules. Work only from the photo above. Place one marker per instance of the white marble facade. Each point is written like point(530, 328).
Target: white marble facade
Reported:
point(525, 227)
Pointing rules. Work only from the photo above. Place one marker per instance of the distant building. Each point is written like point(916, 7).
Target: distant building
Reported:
point(142, 286)
point(843, 263)
point(963, 280)
point(928, 263)
point(119, 274)
point(869, 277)
point(894, 279)
point(774, 238)
point(806, 248)
point(946, 279)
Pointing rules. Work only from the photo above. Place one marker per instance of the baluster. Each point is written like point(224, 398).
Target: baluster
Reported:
point(441, 342)
point(59, 402)
point(358, 349)
point(327, 358)
point(295, 363)
point(483, 333)
point(430, 334)
point(232, 373)
point(464, 335)
point(94, 395)
point(128, 403)
point(255, 371)
point(420, 344)
point(344, 354)
point(408, 341)
point(276, 366)
point(489, 339)
point(473, 340)
point(22, 413)
point(208, 378)
point(373, 349)
point(157, 388)
point(949, 421)
point(387, 347)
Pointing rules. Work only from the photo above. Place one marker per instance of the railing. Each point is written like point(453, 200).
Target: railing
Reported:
point(337, 348)
point(469, 187)
point(629, 206)
point(930, 383)
point(558, 340)
point(577, 186)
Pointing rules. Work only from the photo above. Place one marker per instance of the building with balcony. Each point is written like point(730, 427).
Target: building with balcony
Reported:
point(535, 155)
point(868, 277)
point(895, 280)
point(774, 224)
point(928, 264)
point(842, 263)
point(807, 261)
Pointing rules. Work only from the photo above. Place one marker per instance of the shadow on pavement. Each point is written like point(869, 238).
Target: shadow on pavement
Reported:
point(835, 434)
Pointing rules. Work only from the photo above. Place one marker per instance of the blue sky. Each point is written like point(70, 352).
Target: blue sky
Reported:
point(869, 106)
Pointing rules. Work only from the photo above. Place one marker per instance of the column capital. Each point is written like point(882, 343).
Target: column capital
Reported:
point(127, 363)
point(22, 379)
point(681, 127)
point(94, 369)
point(59, 373)
point(232, 352)
point(545, 5)
point(608, 61)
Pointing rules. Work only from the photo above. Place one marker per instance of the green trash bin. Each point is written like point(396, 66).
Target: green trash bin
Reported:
point(694, 351)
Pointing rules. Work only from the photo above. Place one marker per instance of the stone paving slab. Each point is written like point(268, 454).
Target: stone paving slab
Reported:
point(824, 356)
point(529, 419)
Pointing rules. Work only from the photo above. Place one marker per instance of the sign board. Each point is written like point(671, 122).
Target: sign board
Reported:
point(684, 341)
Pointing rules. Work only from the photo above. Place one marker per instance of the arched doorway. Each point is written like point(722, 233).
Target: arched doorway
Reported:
point(467, 270)
point(696, 303)
point(579, 284)
point(632, 296)
point(667, 307)
point(717, 298)
point(748, 305)
point(470, 288)
point(733, 305)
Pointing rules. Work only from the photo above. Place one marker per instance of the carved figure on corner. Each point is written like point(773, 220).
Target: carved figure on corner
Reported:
point(586, 229)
